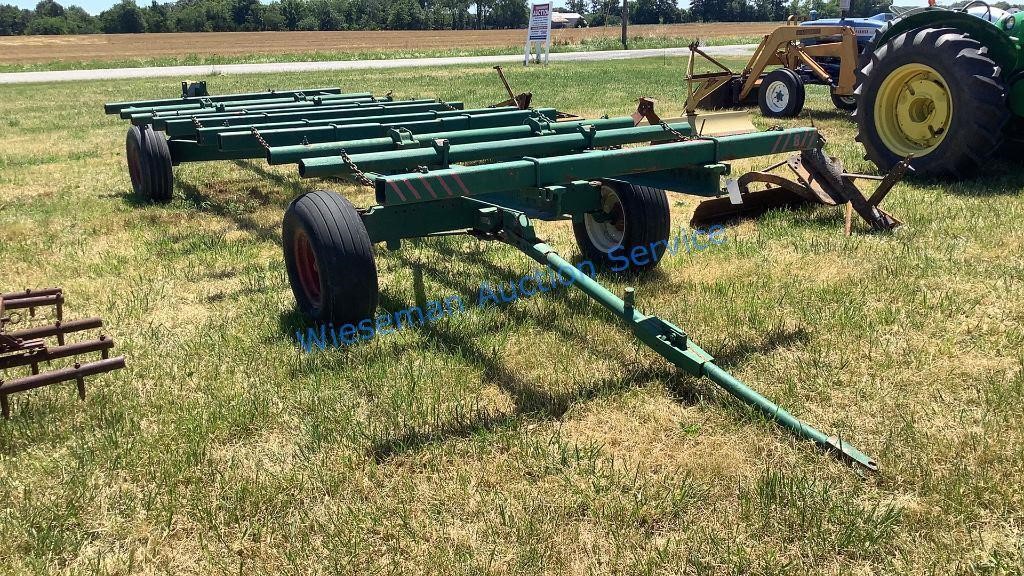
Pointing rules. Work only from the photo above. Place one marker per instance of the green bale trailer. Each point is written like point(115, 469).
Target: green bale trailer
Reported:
point(491, 173)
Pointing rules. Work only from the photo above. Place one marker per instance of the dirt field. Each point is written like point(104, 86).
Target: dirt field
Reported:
point(32, 49)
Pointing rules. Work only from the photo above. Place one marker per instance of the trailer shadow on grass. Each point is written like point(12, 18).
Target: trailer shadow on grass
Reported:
point(209, 204)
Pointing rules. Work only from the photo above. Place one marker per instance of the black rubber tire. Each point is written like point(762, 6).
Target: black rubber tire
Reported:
point(795, 86)
point(340, 245)
point(978, 93)
point(149, 164)
point(646, 220)
point(847, 103)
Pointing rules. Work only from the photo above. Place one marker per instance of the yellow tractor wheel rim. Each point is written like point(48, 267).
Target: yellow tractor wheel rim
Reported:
point(913, 110)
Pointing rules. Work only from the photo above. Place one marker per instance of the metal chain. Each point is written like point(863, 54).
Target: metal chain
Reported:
point(447, 105)
point(197, 123)
point(259, 138)
point(359, 175)
point(679, 135)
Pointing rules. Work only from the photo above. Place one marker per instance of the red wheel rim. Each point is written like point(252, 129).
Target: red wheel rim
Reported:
point(135, 167)
point(305, 264)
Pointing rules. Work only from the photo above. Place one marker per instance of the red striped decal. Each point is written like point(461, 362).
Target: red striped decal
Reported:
point(445, 186)
point(408, 185)
point(426, 183)
point(401, 197)
point(461, 185)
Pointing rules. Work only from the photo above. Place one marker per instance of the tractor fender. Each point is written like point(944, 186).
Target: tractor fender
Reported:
point(1000, 47)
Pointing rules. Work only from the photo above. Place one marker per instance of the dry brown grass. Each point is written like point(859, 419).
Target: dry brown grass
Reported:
point(33, 49)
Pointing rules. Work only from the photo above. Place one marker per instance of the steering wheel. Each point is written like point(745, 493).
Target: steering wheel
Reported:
point(988, 8)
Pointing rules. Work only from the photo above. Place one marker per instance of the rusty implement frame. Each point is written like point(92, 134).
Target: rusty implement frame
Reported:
point(28, 348)
point(723, 88)
point(813, 178)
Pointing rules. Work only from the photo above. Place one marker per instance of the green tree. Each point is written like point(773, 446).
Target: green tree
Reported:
point(49, 9)
point(273, 17)
point(293, 11)
point(509, 14)
point(158, 17)
point(123, 18)
point(577, 6)
point(47, 25)
point(14, 20)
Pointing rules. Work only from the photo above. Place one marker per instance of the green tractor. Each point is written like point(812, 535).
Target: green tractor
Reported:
point(944, 86)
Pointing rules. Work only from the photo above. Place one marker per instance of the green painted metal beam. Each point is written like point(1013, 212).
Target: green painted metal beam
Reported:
point(296, 101)
point(116, 107)
point(443, 153)
point(292, 154)
point(222, 122)
point(376, 127)
point(589, 165)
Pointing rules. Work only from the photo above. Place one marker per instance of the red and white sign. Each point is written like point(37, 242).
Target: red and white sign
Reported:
point(539, 32)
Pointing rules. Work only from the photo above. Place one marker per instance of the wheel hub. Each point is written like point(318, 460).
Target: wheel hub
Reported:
point(607, 229)
point(913, 110)
point(778, 96)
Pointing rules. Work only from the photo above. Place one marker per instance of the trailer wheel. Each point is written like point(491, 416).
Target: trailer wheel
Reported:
point(781, 94)
point(149, 164)
point(632, 217)
point(848, 103)
point(933, 93)
point(329, 258)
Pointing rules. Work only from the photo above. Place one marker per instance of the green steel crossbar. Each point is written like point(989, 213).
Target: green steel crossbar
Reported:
point(222, 122)
point(116, 107)
point(443, 153)
point(241, 106)
point(378, 126)
point(409, 139)
point(532, 173)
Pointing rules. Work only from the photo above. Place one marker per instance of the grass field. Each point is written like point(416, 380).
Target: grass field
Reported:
point(30, 53)
point(536, 438)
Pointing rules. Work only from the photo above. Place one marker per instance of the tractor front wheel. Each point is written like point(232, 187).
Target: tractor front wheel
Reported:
point(149, 164)
point(329, 258)
point(630, 231)
point(848, 103)
point(781, 94)
point(935, 94)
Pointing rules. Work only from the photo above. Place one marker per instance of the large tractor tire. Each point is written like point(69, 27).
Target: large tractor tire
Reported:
point(631, 217)
point(329, 258)
point(932, 93)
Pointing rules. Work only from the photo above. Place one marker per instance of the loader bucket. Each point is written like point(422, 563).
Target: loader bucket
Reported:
point(725, 123)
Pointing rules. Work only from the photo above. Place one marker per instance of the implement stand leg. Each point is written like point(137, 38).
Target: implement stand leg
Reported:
point(673, 344)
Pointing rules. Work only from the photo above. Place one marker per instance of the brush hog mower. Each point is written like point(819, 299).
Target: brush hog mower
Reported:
point(609, 177)
point(24, 350)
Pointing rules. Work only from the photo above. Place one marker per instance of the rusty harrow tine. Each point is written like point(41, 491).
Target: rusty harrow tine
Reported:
point(78, 373)
point(58, 329)
point(47, 354)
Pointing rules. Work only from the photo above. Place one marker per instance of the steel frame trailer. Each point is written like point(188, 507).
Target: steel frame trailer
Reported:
point(491, 173)
point(614, 197)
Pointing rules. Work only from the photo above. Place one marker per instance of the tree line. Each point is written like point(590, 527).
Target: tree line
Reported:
point(127, 17)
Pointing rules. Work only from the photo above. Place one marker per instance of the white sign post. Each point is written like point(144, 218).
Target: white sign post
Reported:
point(539, 32)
